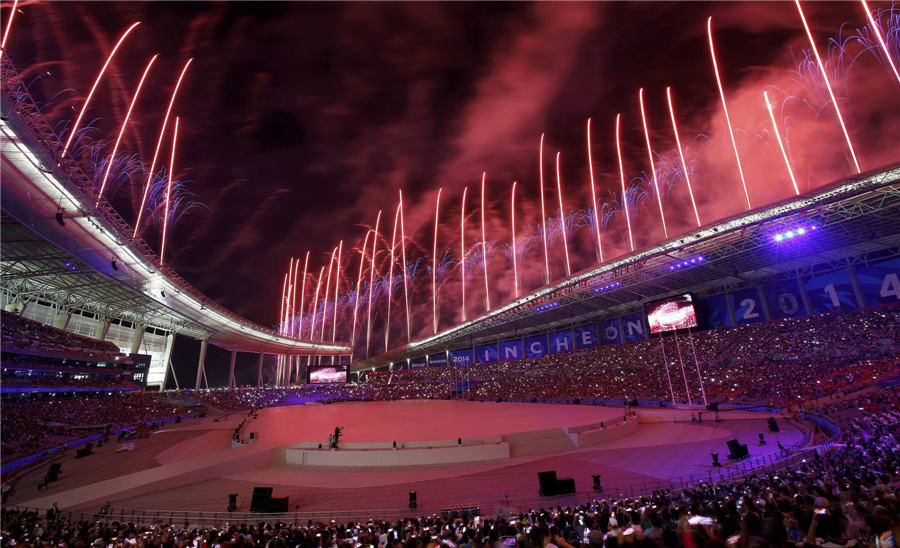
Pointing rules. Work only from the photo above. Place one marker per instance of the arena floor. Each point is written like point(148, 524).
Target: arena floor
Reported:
point(193, 467)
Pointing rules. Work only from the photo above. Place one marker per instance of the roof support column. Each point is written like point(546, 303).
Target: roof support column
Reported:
point(231, 369)
point(259, 382)
point(167, 357)
point(102, 329)
point(61, 320)
point(201, 364)
point(137, 338)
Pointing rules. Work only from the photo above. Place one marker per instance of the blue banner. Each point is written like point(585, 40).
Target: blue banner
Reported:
point(785, 300)
point(634, 327)
point(609, 331)
point(437, 360)
point(747, 306)
point(512, 350)
point(562, 341)
point(880, 282)
point(417, 363)
point(713, 312)
point(586, 336)
point(535, 347)
point(486, 353)
point(830, 292)
point(463, 356)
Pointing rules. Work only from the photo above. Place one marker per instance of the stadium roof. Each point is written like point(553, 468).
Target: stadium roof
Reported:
point(856, 219)
point(90, 262)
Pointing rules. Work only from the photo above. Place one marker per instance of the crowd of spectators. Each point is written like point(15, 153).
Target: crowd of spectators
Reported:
point(33, 424)
point(60, 381)
point(21, 334)
point(845, 497)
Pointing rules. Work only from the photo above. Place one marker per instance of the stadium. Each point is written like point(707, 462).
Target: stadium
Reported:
point(730, 380)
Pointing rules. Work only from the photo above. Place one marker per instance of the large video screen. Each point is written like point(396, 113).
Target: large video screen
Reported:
point(326, 374)
point(671, 314)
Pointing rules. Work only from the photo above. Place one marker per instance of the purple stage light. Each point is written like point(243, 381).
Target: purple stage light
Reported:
point(693, 261)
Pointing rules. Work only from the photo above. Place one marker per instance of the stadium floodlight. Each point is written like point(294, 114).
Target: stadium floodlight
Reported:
point(793, 233)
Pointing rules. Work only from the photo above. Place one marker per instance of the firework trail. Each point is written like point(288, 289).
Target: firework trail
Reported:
point(687, 178)
point(287, 298)
point(387, 329)
point(312, 320)
point(462, 251)
point(94, 87)
point(562, 216)
point(162, 133)
point(837, 110)
point(372, 283)
point(337, 284)
point(512, 209)
point(134, 99)
point(362, 261)
point(544, 214)
point(437, 207)
point(594, 193)
point(162, 252)
point(302, 294)
point(622, 179)
point(875, 29)
point(12, 15)
point(487, 292)
point(327, 292)
point(787, 163)
point(652, 165)
point(737, 157)
point(405, 283)
point(281, 312)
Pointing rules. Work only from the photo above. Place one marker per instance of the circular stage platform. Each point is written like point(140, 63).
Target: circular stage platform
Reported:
point(193, 466)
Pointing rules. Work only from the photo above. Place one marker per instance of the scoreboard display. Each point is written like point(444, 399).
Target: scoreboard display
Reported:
point(327, 374)
point(671, 314)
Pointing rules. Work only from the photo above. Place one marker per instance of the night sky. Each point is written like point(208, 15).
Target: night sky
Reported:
point(301, 120)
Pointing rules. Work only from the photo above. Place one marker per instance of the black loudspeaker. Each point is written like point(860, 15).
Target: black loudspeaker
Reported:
point(232, 502)
point(278, 505)
point(734, 449)
point(259, 502)
point(565, 486)
point(59, 218)
point(413, 502)
point(547, 483)
point(773, 425)
point(597, 485)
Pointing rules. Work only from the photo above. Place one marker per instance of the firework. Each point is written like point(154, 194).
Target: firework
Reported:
point(281, 312)
point(337, 284)
point(622, 179)
point(162, 252)
point(462, 252)
point(112, 156)
point(312, 320)
point(437, 207)
point(390, 291)
point(837, 110)
point(362, 261)
point(787, 163)
point(687, 178)
point(652, 165)
point(302, 294)
point(562, 217)
point(372, 283)
point(487, 292)
point(875, 29)
point(327, 292)
point(94, 87)
point(544, 215)
point(292, 277)
point(403, 257)
point(12, 14)
point(159, 141)
point(512, 209)
point(737, 157)
point(594, 207)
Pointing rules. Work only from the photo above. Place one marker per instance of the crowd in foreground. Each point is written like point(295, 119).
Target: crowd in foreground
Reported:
point(846, 497)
